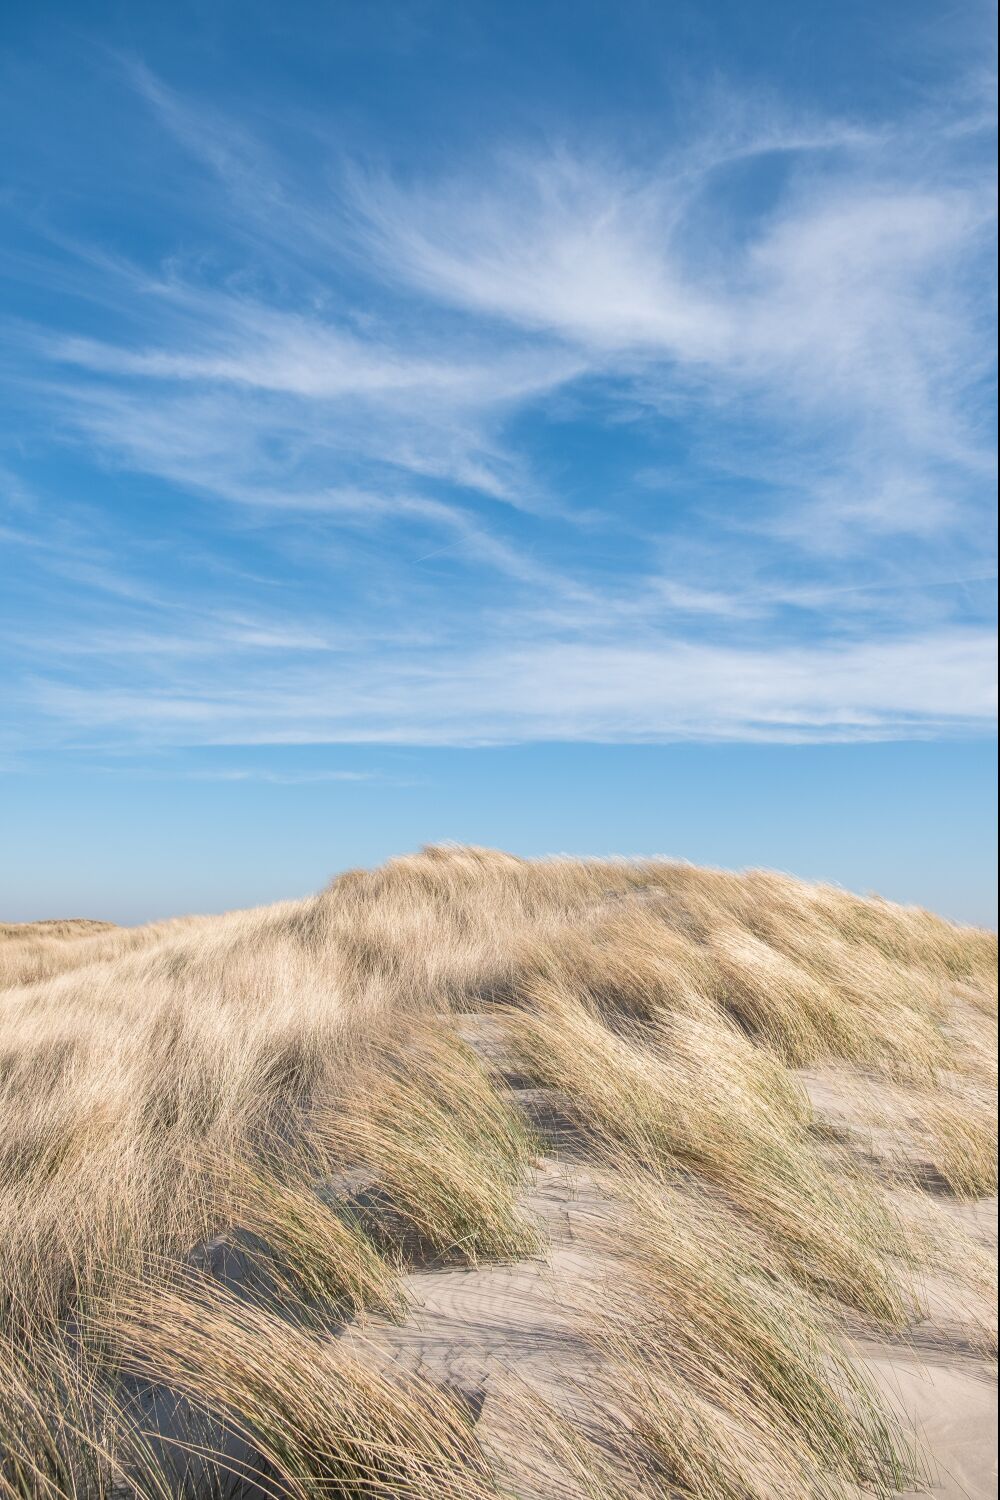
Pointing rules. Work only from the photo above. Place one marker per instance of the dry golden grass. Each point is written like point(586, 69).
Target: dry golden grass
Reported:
point(319, 1419)
point(285, 1084)
point(726, 1371)
point(697, 1096)
point(443, 1156)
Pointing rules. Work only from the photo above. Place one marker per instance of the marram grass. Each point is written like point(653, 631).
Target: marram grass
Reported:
point(224, 1136)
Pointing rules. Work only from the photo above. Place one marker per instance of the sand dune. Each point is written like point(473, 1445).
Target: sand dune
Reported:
point(475, 1176)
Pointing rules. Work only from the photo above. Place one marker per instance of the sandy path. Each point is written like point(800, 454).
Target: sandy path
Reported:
point(483, 1332)
point(488, 1332)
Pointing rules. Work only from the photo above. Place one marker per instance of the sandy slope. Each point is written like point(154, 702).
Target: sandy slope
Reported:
point(485, 1331)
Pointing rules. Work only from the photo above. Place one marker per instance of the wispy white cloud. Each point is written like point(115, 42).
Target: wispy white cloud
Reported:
point(266, 446)
point(660, 689)
point(397, 388)
point(843, 312)
point(237, 774)
point(284, 353)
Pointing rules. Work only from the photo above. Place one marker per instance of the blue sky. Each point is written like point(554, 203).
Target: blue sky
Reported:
point(567, 426)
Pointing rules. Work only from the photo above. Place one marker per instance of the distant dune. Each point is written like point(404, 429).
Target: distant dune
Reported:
point(474, 1176)
point(50, 927)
